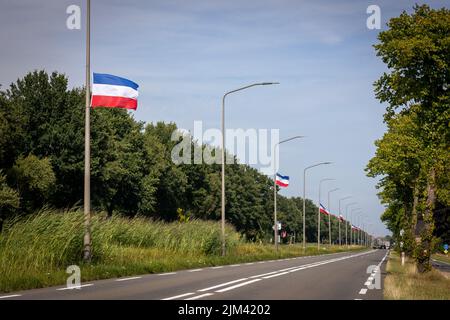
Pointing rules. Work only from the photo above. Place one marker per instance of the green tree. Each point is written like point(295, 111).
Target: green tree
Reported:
point(9, 200)
point(416, 49)
point(34, 179)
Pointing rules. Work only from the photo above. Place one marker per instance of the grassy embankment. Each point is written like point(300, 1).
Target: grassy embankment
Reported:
point(405, 283)
point(441, 257)
point(35, 252)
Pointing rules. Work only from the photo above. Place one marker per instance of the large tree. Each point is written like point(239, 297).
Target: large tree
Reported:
point(413, 155)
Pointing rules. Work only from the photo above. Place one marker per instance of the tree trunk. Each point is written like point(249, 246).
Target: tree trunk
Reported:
point(424, 248)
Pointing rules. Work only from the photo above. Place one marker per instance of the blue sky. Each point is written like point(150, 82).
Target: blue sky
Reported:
point(186, 54)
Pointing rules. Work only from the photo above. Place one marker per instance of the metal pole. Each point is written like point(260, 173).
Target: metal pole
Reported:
point(304, 199)
point(275, 225)
point(87, 138)
point(304, 208)
point(339, 218)
point(346, 222)
point(275, 189)
point(329, 216)
point(318, 214)
point(223, 156)
point(223, 177)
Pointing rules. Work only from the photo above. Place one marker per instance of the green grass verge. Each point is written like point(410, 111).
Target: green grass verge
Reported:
point(405, 283)
point(441, 257)
point(35, 252)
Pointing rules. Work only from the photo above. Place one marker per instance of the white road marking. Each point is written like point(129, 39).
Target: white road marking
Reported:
point(268, 273)
point(235, 265)
point(368, 283)
point(261, 262)
point(363, 291)
point(167, 274)
point(126, 279)
point(218, 267)
point(249, 264)
point(200, 296)
point(238, 285)
point(276, 275)
point(11, 296)
point(179, 296)
point(75, 288)
point(195, 270)
point(222, 285)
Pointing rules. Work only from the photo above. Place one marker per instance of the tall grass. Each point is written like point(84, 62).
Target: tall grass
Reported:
point(406, 283)
point(50, 241)
point(36, 250)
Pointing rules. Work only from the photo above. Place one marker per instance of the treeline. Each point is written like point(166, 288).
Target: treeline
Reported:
point(413, 156)
point(42, 164)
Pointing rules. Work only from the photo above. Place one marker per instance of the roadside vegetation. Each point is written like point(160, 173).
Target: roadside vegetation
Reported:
point(441, 257)
point(406, 283)
point(412, 158)
point(36, 250)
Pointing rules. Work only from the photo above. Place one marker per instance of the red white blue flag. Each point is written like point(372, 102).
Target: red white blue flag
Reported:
point(114, 92)
point(282, 181)
point(323, 210)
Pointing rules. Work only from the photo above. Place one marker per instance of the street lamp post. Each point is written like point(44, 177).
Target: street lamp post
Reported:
point(275, 225)
point(339, 218)
point(223, 154)
point(346, 222)
point(318, 216)
point(329, 216)
point(352, 238)
point(304, 200)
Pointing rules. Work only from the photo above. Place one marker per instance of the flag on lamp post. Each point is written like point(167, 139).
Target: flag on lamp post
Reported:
point(114, 92)
point(282, 181)
point(324, 210)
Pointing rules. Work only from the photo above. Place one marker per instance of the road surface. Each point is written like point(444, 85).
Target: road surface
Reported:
point(341, 276)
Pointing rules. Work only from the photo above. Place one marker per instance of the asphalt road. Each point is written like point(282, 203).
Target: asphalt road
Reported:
point(342, 276)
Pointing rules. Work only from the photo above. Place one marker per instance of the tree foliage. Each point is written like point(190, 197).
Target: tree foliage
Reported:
point(132, 172)
point(412, 158)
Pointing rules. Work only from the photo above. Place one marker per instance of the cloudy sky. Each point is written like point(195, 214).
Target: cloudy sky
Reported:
point(185, 54)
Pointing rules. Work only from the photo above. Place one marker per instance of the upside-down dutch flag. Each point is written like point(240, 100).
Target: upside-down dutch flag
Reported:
point(114, 92)
point(282, 181)
point(323, 210)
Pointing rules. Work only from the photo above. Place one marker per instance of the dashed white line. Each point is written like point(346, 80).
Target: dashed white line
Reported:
point(363, 291)
point(222, 285)
point(11, 296)
point(235, 265)
point(75, 287)
point(127, 279)
point(167, 274)
point(179, 296)
point(218, 267)
point(238, 285)
point(276, 275)
point(200, 296)
point(195, 270)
